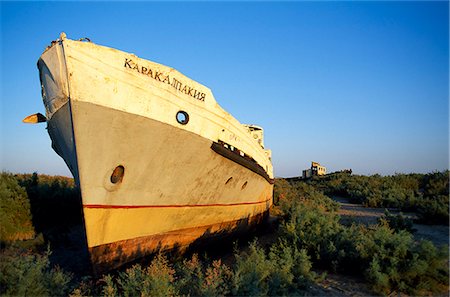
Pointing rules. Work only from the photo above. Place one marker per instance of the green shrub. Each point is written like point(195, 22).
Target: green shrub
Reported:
point(436, 183)
point(25, 274)
point(87, 287)
point(316, 198)
point(312, 229)
point(193, 279)
point(397, 264)
point(251, 273)
point(344, 249)
point(54, 201)
point(290, 270)
point(434, 210)
point(397, 222)
point(286, 195)
point(285, 270)
point(283, 195)
point(155, 280)
point(434, 275)
point(190, 276)
point(15, 215)
point(109, 289)
point(131, 282)
point(432, 205)
point(218, 279)
point(332, 184)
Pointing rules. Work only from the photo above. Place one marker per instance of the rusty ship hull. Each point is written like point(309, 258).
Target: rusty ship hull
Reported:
point(159, 163)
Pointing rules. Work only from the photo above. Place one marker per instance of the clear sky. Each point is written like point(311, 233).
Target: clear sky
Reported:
point(360, 85)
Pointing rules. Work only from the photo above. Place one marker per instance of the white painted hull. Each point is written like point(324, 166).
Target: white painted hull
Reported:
point(105, 109)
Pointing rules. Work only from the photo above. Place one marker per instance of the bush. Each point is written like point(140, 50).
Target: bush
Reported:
point(433, 207)
point(312, 229)
point(217, 280)
point(155, 280)
point(286, 195)
point(54, 201)
point(434, 210)
point(397, 263)
point(15, 215)
point(397, 222)
point(251, 273)
point(193, 279)
point(290, 269)
point(27, 274)
point(283, 195)
point(190, 276)
point(284, 271)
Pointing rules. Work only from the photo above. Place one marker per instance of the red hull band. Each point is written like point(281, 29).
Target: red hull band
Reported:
point(170, 206)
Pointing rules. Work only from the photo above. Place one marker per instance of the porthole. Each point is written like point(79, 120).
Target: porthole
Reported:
point(182, 117)
point(228, 180)
point(117, 175)
point(244, 185)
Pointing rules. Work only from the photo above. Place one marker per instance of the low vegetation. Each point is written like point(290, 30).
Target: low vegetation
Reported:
point(281, 271)
point(389, 258)
point(55, 201)
point(29, 273)
point(425, 194)
point(15, 214)
point(397, 222)
point(309, 237)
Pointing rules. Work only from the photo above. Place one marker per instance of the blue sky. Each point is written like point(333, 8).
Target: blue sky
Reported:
point(361, 85)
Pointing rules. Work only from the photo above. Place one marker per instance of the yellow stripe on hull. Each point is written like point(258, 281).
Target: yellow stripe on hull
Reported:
point(120, 223)
point(107, 225)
